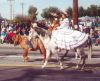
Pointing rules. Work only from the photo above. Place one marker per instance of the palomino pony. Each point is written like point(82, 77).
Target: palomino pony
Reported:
point(24, 43)
point(51, 47)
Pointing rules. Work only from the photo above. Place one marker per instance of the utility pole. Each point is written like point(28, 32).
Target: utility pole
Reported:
point(22, 4)
point(75, 12)
point(11, 9)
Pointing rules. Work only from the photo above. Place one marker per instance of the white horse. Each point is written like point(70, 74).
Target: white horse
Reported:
point(52, 48)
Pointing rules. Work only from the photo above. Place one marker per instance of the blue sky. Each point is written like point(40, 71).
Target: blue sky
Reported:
point(40, 4)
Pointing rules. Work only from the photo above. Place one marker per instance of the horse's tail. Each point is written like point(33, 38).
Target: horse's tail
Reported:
point(89, 41)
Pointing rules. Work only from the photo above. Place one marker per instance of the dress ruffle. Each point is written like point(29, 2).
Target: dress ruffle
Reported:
point(68, 38)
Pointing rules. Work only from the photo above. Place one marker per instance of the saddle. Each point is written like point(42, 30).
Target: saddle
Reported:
point(33, 43)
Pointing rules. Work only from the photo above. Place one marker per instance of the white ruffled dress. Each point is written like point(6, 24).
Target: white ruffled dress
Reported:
point(66, 38)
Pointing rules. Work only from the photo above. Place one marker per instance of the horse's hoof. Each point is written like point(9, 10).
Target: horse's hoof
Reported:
point(77, 58)
point(61, 68)
point(82, 68)
point(25, 60)
point(77, 68)
point(42, 67)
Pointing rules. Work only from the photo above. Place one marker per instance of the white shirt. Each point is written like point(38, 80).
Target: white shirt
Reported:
point(64, 24)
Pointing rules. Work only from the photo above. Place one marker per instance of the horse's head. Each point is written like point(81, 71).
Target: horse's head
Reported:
point(16, 39)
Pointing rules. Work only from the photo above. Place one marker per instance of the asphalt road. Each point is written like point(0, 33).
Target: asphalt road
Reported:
point(48, 74)
point(12, 67)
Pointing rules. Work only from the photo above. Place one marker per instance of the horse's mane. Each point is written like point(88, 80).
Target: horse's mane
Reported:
point(43, 32)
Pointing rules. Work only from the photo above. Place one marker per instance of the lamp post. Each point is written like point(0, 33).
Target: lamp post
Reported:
point(11, 9)
point(22, 4)
point(75, 12)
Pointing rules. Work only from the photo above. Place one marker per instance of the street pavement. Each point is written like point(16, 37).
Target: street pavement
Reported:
point(12, 56)
point(12, 67)
point(48, 74)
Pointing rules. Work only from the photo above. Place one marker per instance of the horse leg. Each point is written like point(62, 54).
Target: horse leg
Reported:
point(42, 49)
point(78, 52)
point(47, 58)
point(84, 61)
point(43, 52)
point(83, 57)
point(77, 56)
point(25, 55)
point(82, 54)
point(59, 60)
point(90, 52)
point(62, 58)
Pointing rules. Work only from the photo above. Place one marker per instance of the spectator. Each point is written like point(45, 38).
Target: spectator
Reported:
point(97, 39)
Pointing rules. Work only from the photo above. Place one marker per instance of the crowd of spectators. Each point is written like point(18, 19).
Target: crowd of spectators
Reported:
point(24, 28)
point(91, 29)
point(8, 28)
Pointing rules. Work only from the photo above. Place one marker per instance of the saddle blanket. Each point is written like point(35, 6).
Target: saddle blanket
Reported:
point(68, 38)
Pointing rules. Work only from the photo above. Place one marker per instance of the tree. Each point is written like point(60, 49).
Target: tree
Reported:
point(81, 11)
point(32, 13)
point(70, 11)
point(93, 10)
point(21, 19)
point(48, 13)
point(98, 10)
